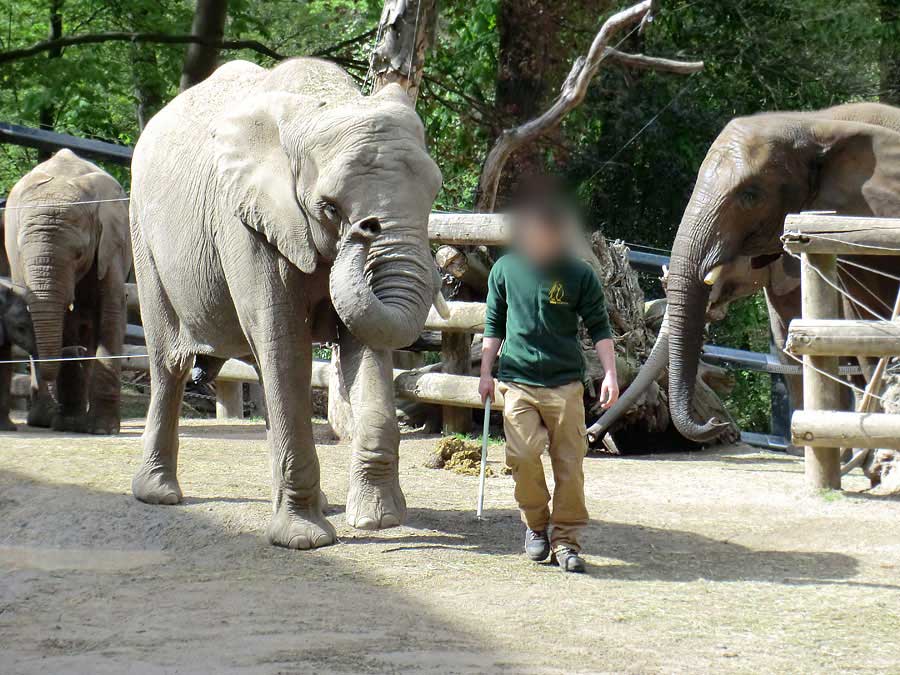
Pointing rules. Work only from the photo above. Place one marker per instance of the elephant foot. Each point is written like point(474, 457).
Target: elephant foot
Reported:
point(156, 485)
point(374, 505)
point(68, 423)
point(7, 424)
point(41, 414)
point(104, 425)
point(301, 527)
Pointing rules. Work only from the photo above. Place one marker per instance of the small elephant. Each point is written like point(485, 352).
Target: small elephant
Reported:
point(67, 242)
point(761, 168)
point(271, 209)
point(16, 330)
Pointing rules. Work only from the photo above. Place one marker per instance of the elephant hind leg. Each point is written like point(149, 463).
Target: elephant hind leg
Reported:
point(156, 481)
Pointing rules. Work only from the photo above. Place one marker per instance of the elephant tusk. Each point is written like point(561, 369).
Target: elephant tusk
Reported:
point(713, 276)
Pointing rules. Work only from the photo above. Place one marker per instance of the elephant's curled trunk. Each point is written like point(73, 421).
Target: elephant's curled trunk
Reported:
point(687, 299)
point(381, 283)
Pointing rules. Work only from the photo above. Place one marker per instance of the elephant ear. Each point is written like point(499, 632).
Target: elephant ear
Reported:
point(258, 179)
point(856, 162)
point(112, 219)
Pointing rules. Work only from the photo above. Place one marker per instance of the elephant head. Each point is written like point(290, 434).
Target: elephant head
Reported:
point(348, 184)
point(16, 327)
point(757, 171)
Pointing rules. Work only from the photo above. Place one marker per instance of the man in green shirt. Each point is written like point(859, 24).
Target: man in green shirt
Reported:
point(536, 296)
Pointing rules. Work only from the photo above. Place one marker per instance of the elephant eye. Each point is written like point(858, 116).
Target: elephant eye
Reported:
point(749, 197)
point(330, 211)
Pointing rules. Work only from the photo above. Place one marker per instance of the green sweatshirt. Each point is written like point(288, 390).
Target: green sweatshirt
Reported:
point(536, 312)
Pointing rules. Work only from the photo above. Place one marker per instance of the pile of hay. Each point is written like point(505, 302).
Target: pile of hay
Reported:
point(460, 456)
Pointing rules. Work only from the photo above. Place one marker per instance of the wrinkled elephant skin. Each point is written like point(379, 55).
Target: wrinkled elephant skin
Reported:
point(271, 209)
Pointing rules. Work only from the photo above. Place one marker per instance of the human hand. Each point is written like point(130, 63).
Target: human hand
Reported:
point(486, 388)
point(609, 390)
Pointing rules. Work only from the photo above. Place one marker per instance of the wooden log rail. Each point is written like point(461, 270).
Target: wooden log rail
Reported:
point(821, 337)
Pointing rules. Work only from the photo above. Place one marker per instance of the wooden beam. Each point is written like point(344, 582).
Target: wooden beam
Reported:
point(491, 229)
point(442, 389)
point(229, 400)
point(456, 358)
point(465, 317)
point(820, 392)
point(826, 233)
point(832, 337)
point(830, 429)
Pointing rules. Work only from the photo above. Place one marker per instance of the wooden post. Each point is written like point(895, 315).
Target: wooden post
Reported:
point(821, 301)
point(229, 400)
point(457, 359)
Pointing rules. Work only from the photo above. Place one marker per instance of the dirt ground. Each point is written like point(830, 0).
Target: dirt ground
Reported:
point(704, 562)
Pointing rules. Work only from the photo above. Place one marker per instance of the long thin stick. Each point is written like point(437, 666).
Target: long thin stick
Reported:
point(484, 446)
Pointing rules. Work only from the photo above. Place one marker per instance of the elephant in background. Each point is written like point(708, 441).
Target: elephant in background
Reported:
point(66, 234)
point(16, 330)
point(760, 169)
point(271, 209)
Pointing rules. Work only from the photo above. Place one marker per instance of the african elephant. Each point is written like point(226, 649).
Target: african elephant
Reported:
point(271, 209)
point(67, 242)
point(16, 330)
point(844, 159)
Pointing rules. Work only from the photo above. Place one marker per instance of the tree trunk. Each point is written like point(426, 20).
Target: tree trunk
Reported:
point(200, 60)
point(47, 113)
point(405, 32)
point(890, 52)
point(527, 54)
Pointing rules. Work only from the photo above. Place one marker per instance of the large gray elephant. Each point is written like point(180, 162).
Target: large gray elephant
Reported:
point(16, 330)
point(844, 159)
point(271, 209)
point(66, 233)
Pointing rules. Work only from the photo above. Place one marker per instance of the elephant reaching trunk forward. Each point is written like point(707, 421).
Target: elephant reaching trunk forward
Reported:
point(845, 159)
point(271, 209)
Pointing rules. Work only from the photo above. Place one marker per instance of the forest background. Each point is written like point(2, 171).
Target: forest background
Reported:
point(631, 150)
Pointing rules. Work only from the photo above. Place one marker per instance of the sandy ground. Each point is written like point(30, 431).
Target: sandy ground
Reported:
point(712, 562)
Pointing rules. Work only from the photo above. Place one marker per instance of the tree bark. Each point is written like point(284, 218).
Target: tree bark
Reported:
point(201, 60)
point(47, 113)
point(405, 32)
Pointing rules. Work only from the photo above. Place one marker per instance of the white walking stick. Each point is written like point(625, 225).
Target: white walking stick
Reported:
point(484, 447)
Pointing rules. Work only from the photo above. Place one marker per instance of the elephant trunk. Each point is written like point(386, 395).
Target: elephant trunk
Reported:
point(382, 283)
point(687, 299)
point(648, 374)
point(52, 289)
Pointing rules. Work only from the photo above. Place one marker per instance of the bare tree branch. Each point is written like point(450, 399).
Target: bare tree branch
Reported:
point(159, 38)
point(571, 95)
point(642, 62)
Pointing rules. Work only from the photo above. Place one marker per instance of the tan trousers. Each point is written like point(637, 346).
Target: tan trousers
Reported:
point(538, 418)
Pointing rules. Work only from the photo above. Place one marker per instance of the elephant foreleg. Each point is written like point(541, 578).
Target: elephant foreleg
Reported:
point(374, 498)
point(105, 381)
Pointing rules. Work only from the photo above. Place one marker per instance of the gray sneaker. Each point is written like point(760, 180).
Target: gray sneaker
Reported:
point(569, 560)
point(537, 545)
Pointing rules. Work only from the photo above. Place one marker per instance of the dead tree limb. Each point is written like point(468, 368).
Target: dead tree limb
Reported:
point(571, 95)
point(405, 32)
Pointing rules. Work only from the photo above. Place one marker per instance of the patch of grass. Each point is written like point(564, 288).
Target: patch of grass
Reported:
point(829, 495)
point(492, 440)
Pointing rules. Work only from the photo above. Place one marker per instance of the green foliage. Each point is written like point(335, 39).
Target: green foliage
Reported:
point(747, 327)
point(632, 149)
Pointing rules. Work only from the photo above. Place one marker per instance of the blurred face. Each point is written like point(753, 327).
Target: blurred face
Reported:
point(539, 240)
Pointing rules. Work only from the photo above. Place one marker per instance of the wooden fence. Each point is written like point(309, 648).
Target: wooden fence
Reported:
point(452, 389)
point(821, 337)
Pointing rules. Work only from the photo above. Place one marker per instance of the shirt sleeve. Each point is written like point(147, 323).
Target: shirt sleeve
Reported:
point(495, 315)
point(592, 307)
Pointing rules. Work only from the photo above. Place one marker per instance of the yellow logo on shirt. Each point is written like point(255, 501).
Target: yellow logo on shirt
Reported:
point(557, 294)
